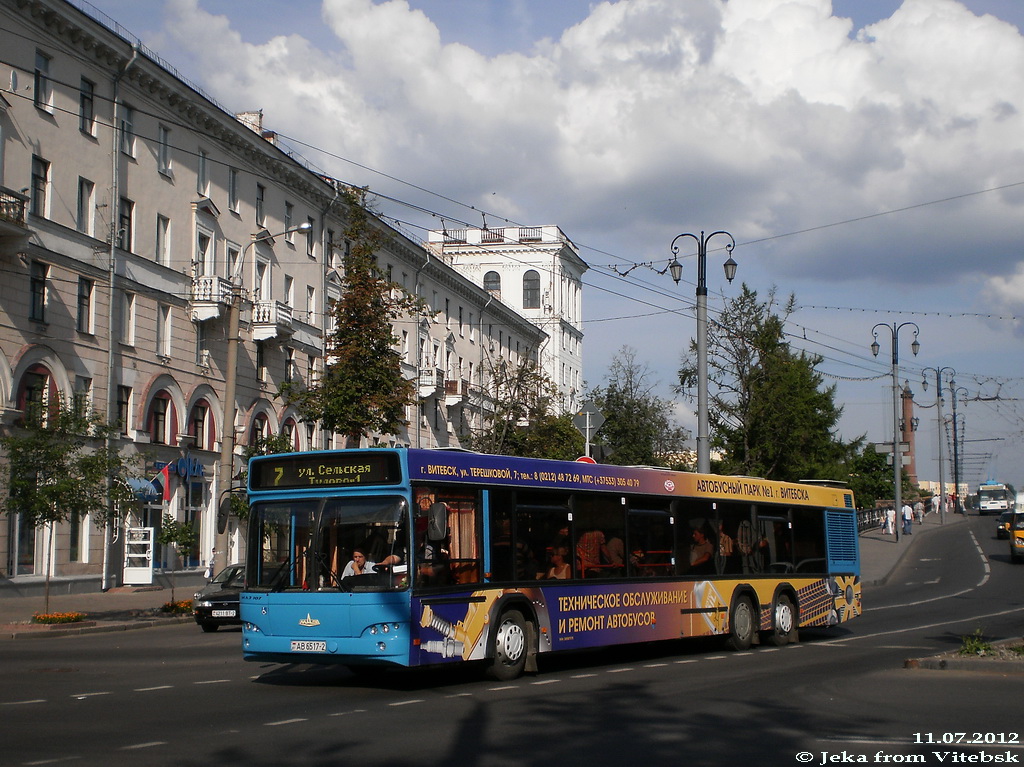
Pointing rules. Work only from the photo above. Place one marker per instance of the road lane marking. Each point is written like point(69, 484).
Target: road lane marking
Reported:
point(151, 689)
point(24, 702)
point(547, 681)
point(946, 622)
point(285, 721)
point(346, 713)
point(406, 702)
point(213, 681)
point(138, 746)
point(84, 695)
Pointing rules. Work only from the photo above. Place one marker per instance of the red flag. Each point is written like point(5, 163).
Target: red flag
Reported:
point(162, 483)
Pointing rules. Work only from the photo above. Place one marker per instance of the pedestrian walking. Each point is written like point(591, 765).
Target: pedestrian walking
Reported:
point(919, 511)
point(890, 521)
point(907, 514)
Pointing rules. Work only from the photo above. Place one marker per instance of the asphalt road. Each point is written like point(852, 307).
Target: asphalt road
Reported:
point(176, 696)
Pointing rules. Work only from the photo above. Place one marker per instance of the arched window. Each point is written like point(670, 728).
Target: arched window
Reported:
point(260, 429)
point(492, 282)
point(161, 421)
point(37, 394)
point(289, 429)
point(200, 425)
point(531, 290)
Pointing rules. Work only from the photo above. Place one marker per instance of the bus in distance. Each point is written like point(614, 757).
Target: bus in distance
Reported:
point(412, 557)
point(996, 497)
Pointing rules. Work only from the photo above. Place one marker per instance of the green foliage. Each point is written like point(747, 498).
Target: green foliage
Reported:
point(638, 429)
point(520, 420)
point(770, 414)
point(363, 389)
point(974, 644)
point(869, 476)
point(60, 466)
point(181, 535)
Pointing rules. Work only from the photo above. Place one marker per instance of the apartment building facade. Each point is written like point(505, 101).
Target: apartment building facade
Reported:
point(131, 205)
point(539, 272)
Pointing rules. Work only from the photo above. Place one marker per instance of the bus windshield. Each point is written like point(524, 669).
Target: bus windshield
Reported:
point(336, 544)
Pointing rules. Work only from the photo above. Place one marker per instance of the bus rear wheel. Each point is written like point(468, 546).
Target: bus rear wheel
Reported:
point(742, 624)
point(510, 646)
point(784, 622)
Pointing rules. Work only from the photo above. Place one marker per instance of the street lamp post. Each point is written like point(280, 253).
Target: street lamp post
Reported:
point(676, 269)
point(938, 412)
point(897, 459)
point(227, 442)
point(954, 390)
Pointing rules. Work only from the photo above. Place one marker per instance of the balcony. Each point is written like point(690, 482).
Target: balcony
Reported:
point(456, 393)
point(431, 382)
point(271, 319)
point(13, 207)
point(210, 297)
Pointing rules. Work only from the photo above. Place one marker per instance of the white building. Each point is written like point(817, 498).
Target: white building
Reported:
point(129, 202)
point(537, 271)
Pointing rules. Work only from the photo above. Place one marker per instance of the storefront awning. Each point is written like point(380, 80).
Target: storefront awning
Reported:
point(144, 489)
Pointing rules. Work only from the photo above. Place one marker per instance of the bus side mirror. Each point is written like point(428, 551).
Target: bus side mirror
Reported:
point(437, 524)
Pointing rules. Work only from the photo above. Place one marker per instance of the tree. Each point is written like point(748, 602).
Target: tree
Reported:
point(61, 466)
point(519, 419)
point(638, 425)
point(769, 413)
point(181, 536)
point(362, 389)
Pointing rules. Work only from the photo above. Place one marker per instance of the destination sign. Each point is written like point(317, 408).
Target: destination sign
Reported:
point(324, 470)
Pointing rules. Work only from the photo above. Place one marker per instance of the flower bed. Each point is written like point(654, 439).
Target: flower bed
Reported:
point(51, 618)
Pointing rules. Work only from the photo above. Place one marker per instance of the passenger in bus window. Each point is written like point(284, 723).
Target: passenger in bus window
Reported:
point(701, 551)
point(359, 565)
point(590, 551)
point(560, 568)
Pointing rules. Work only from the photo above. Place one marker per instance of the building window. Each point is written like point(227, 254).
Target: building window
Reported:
point(289, 290)
point(81, 398)
point(233, 190)
point(38, 190)
point(128, 319)
point(531, 290)
point(43, 93)
point(310, 304)
point(261, 361)
point(163, 330)
point(127, 128)
point(163, 150)
point(125, 217)
point(329, 247)
point(163, 240)
point(234, 255)
point(84, 321)
point(289, 218)
point(202, 346)
point(202, 174)
point(158, 420)
point(84, 214)
point(492, 282)
point(310, 236)
point(291, 371)
point(261, 196)
point(87, 107)
point(197, 427)
point(124, 408)
point(205, 256)
point(37, 291)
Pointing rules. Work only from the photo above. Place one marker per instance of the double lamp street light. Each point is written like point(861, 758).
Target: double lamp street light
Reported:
point(676, 270)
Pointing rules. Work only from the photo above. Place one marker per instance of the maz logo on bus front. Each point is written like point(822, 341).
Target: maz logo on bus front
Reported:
point(309, 621)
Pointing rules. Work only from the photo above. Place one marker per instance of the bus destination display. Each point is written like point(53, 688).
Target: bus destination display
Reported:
point(325, 470)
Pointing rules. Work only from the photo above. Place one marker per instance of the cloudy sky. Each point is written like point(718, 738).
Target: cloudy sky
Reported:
point(866, 155)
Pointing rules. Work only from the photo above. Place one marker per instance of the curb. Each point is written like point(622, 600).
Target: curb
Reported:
point(33, 631)
point(956, 662)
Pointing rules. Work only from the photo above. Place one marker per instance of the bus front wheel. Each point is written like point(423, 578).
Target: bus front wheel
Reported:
point(784, 622)
point(742, 624)
point(510, 646)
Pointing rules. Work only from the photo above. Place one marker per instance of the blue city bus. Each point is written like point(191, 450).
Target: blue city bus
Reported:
point(496, 559)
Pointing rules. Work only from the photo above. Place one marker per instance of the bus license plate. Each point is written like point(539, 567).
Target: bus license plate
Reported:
point(306, 646)
point(224, 613)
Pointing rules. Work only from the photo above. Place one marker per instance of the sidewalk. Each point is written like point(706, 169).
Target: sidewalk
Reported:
point(119, 609)
point(879, 554)
point(128, 607)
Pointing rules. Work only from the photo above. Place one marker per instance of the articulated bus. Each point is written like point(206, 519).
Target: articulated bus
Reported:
point(473, 557)
point(996, 497)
